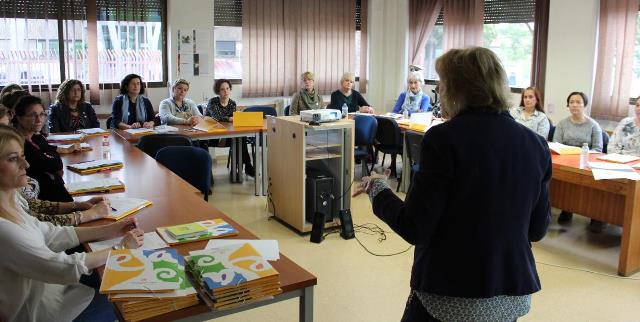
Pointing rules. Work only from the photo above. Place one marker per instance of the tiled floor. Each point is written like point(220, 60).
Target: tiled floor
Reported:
point(356, 286)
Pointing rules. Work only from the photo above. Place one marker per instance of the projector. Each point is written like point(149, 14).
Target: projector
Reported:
point(320, 116)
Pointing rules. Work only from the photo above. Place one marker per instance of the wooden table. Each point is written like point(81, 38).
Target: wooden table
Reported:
point(613, 201)
point(177, 202)
point(235, 134)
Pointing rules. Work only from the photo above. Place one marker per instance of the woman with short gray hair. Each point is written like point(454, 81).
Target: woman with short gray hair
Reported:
point(413, 100)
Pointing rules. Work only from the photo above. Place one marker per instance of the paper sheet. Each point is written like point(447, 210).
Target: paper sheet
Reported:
point(94, 164)
point(151, 241)
point(611, 166)
point(122, 205)
point(267, 248)
point(92, 130)
point(83, 146)
point(619, 158)
point(65, 137)
point(602, 174)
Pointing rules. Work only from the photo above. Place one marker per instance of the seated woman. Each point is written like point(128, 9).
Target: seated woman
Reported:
point(46, 165)
point(306, 98)
point(178, 109)
point(346, 95)
point(530, 113)
point(39, 281)
point(9, 88)
point(130, 109)
point(5, 115)
point(221, 109)
point(413, 99)
point(576, 130)
point(626, 136)
point(71, 112)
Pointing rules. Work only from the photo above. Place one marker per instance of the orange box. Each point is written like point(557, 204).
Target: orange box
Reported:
point(253, 119)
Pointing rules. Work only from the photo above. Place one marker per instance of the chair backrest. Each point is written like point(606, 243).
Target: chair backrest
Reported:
point(152, 143)
point(286, 110)
point(605, 141)
point(365, 128)
point(266, 110)
point(190, 163)
point(201, 108)
point(388, 132)
point(552, 130)
point(413, 141)
point(109, 120)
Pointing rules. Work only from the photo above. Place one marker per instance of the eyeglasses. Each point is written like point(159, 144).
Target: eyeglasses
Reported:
point(34, 115)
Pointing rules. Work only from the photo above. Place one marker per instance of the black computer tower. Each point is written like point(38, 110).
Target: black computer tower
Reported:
point(319, 195)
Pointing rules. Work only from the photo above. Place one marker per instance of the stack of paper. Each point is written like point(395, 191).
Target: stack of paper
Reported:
point(140, 131)
point(83, 146)
point(94, 166)
point(618, 158)
point(147, 283)
point(606, 170)
point(65, 137)
point(214, 228)
point(93, 131)
point(123, 206)
point(562, 149)
point(233, 275)
point(166, 129)
point(99, 185)
point(210, 125)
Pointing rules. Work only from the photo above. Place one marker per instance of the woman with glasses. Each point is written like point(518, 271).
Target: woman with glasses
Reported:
point(46, 165)
point(71, 112)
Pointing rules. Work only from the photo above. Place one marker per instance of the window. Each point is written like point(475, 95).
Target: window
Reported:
point(508, 31)
point(129, 37)
point(635, 77)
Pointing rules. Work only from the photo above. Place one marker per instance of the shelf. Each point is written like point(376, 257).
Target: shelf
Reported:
point(323, 146)
point(322, 155)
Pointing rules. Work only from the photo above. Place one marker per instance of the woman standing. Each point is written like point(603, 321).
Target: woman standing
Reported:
point(470, 212)
point(307, 98)
point(413, 100)
point(39, 281)
point(626, 137)
point(178, 109)
point(221, 109)
point(71, 112)
point(347, 95)
point(530, 113)
point(46, 165)
point(131, 109)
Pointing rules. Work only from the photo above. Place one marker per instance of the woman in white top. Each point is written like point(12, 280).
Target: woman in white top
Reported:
point(39, 281)
point(178, 109)
point(530, 113)
point(626, 137)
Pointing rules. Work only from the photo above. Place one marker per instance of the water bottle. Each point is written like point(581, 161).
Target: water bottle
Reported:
point(345, 110)
point(106, 146)
point(405, 114)
point(584, 155)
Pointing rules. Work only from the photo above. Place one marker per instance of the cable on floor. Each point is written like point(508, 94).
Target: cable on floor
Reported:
point(589, 271)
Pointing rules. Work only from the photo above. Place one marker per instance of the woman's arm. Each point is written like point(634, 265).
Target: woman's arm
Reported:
point(399, 101)
point(151, 114)
point(596, 138)
point(616, 142)
point(543, 127)
point(424, 103)
point(116, 115)
point(166, 113)
point(92, 118)
point(294, 108)
point(54, 119)
point(86, 234)
point(541, 214)
point(558, 134)
point(334, 103)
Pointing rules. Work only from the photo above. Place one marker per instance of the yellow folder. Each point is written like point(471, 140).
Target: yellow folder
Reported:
point(247, 119)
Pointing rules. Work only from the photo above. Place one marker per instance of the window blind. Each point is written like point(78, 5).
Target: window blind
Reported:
point(504, 11)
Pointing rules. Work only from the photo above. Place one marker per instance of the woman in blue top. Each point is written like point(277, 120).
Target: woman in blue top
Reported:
point(413, 99)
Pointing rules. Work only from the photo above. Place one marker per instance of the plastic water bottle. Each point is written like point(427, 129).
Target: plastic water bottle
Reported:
point(405, 114)
point(106, 146)
point(584, 155)
point(345, 110)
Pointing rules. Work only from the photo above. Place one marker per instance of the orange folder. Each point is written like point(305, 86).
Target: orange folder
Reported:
point(253, 119)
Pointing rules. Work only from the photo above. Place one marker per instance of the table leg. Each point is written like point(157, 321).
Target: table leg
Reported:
point(263, 149)
point(257, 165)
point(306, 305)
point(406, 168)
point(629, 261)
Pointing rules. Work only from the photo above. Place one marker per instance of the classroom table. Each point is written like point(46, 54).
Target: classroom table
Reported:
point(235, 134)
point(613, 201)
point(177, 202)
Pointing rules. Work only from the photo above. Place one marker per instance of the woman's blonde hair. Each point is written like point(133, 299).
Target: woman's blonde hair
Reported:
point(65, 87)
point(347, 76)
point(180, 81)
point(472, 78)
point(307, 75)
point(7, 135)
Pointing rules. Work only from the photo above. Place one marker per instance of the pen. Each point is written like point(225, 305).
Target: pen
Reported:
point(114, 209)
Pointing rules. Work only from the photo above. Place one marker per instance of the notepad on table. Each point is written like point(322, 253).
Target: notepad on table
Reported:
point(94, 166)
point(83, 146)
point(99, 185)
point(124, 206)
point(563, 149)
point(209, 125)
point(618, 158)
point(140, 131)
point(93, 131)
point(253, 119)
point(65, 137)
point(189, 230)
point(216, 228)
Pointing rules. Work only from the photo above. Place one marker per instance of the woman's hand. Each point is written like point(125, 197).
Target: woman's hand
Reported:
point(97, 211)
point(135, 125)
point(194, 120)
point(89, 203)
point(73, 148)
point(121, 227)
point(367, 109)
point(366, 184)
point(133, 239)
point(148, 125)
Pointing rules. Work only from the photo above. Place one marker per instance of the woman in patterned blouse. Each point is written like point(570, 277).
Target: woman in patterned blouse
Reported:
point(71, 112)
point(626, 137)
point(221, 109)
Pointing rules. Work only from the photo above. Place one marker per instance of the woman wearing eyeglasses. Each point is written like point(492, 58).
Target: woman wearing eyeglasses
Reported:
point(46, 165)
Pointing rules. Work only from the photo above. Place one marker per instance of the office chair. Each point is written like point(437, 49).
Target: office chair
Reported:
point(388, 140)
point(190, 163)
point(413, 141)
point(365, 128)
point(152, 143)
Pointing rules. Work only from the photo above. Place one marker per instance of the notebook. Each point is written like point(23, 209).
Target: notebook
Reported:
point(124, 206)
point(140, 131)
point(559, 148)
point(216, 228)
point(141, 271)
point(93, 131)
point(83, 146)
point(618, 158)
point(88, 167)
point(151, 241)
point(210, 125)
point(189, 230)
point(65, 137)
point(99, 185)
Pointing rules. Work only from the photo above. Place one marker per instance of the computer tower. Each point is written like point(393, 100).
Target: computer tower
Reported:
point(319, 195)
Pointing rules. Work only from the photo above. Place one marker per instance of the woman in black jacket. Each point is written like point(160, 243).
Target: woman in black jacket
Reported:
point(71, 112)
point(131, 109)
point(478, 200)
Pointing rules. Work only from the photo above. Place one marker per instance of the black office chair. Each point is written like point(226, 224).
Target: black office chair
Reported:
point(552, 131)
point(388, 141)
point(286, 110)
point(202, 108)
point(605, 141)
point(190, 163)
point(365, 128)
point(413, 141)
point(109, 120)
point(266, 110)
point(152, 143)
